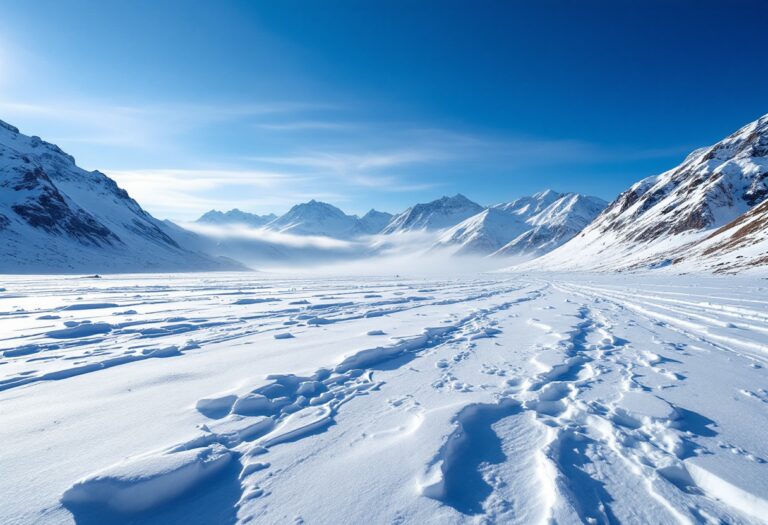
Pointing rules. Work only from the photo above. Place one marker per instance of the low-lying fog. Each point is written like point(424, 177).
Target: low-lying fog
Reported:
point(410, 253)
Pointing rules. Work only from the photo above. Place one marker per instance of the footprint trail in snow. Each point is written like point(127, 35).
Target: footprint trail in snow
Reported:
point(491, 400)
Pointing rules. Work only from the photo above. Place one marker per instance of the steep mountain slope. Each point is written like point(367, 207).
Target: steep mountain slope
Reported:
point(527, 226)
point(57, 217)
point(740, 245)
point(649, 222)
point(554, 225)
point(317, 218)
point(441, 213)
point(483, 233)
point(529, 206)
point(236, 216)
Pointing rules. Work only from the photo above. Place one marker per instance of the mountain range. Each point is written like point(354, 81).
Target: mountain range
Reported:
point(710, 213)
point(525, 227)
point(707, 214)
point(309, 218)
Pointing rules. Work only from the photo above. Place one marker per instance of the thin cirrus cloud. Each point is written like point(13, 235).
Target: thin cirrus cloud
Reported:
point(366, 170)
point(305, 125)
point(187, 193)
point(142, 127)
point(266, 156)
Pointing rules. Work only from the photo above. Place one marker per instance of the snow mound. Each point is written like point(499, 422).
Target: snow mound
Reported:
point(139, 484)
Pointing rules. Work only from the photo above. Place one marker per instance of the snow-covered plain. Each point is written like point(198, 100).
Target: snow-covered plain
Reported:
point(223, 398)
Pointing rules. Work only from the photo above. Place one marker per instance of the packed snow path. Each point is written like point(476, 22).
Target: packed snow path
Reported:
point(242, 399)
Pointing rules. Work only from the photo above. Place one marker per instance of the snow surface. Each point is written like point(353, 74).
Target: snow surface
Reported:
point(249, 398)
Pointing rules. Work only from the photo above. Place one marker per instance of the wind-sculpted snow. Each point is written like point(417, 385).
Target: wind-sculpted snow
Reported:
point(251, 399)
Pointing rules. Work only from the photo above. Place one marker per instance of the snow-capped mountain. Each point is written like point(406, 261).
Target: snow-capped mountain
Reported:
point(235, 216)
point(317, 218)
point(527, 226)
point(655, 218)
point(441, 213)
point(374, 221)
point(483, 233)
point(310, 218)
point(57, 217)
point(529, 206)
point(554, 225)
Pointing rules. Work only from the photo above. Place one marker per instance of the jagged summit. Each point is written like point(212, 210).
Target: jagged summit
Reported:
point(526, 226)
point(55, 216)
point(236, 216)
point(317, 218)
point(438, 214)
point(648, 222)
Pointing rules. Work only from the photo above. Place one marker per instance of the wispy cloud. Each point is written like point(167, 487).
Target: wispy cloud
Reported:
point(203, 179)
point(150, 126)
point(182, 159)
point(187, 193)
point(345, 163)
point(308, 125)
point(367, 169)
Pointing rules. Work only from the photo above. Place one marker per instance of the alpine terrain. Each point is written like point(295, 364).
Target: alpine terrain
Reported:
point(701, 215)
point(55, 216)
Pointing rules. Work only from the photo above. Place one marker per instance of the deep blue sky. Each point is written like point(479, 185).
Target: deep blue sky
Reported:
point(194, 105)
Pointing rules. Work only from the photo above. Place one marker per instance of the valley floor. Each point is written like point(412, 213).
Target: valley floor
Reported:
point(240, 398)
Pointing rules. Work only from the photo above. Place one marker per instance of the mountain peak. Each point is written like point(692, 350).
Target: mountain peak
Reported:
point(435, 215)
point(527, 226)
point(58, 216)
point(374, 221)
point(713, 186)
point(316, 206)
point(546, 194)
point(318, 218)
point(236, 216)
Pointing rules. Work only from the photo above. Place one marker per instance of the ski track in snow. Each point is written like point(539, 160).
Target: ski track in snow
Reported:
point(243, 399)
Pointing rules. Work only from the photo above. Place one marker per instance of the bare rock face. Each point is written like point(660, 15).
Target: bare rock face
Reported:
point(44, 207)
point(712, 186)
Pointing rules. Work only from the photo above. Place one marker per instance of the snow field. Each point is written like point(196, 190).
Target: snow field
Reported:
point(515, 399)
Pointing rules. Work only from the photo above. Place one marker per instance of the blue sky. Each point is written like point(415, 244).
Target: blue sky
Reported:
point(258, 105)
